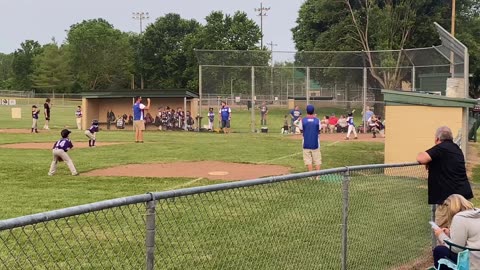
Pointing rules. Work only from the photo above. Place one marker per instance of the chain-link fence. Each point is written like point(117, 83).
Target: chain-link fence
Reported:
point(338, 80)
point(362, 217)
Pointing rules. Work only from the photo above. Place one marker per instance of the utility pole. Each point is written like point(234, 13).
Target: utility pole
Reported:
point(271, 44)
point(262, 11)
point(140, 16)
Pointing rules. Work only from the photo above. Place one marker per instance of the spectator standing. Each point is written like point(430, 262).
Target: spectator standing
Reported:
point(367, 114)
point(446, 172)
point(78, 117)
point(310, 127)
point(226, 115)
point(263, 114)
point(463, 230)
point(46, 111)
point(35, 113)
point(294, 114)
point(138, 118)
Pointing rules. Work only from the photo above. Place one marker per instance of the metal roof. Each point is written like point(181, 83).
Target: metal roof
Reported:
point(150, 93)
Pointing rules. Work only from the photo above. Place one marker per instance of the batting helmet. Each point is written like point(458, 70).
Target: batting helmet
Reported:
point(95, 122)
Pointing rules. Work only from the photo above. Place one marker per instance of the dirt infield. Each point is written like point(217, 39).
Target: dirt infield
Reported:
point(16, 131)
point(49, 145)
point(340, 137)
point(214, 170)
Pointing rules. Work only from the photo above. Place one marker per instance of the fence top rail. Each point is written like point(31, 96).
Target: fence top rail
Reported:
point(107, 204)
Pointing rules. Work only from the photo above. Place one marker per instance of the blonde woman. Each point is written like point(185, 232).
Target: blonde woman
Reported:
point(463, 228)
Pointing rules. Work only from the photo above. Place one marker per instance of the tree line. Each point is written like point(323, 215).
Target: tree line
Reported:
point(96, 56)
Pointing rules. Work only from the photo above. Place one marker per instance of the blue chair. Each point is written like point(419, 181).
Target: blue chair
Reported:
point(463, 259)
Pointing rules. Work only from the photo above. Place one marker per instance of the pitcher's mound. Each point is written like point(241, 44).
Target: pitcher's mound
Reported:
point(44, 145)
point(214, 170)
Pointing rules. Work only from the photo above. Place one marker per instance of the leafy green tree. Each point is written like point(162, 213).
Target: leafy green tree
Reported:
point(101, 56)
point(52, 69)
point(164, 52)
point(22, 65)
point(6, 71)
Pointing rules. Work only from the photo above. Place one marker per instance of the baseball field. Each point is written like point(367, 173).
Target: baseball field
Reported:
point(119, 167)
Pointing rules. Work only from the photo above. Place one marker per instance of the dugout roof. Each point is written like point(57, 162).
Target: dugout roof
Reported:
point(145, 93)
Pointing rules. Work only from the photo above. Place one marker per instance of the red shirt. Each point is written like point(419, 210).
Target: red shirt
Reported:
point(332, 120)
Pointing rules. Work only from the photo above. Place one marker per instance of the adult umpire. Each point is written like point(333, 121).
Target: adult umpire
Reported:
point(446, 173)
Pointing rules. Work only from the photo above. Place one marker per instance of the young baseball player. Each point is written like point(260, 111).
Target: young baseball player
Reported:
point(78, 117)
point(90, 133)
point(211, 118)
point(35, 112)
point(351, 126)
point(60, 149)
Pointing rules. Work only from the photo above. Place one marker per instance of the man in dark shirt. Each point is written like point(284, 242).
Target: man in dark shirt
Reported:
point(47, 106)
point(446, 172)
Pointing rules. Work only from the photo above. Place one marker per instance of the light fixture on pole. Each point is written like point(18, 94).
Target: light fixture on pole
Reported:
point(262, 11)
point(141, 16)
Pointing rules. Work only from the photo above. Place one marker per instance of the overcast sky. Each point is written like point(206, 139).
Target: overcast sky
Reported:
point(41, 20)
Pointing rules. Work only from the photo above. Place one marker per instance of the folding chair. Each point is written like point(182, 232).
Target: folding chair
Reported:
point(463, 259)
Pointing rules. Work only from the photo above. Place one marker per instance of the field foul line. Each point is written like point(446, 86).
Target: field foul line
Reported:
point(188, 183)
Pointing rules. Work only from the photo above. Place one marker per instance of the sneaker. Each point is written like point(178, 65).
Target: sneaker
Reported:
point(356, 138)
point(75, 174)
point(50, 174)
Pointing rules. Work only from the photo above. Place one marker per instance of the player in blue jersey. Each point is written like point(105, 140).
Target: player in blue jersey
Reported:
point(295, 114)
point(35, 112)
point(310, 127)
point(91, 132)
point(351, 126)
point(225, 115)
point(60, 149)
point(138, 117)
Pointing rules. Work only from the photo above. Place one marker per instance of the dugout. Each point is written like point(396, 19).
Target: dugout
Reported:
point(412, 119)
point(95, 105)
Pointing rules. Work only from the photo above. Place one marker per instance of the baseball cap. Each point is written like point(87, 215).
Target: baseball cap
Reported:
point(310, 109)
point(65, 133)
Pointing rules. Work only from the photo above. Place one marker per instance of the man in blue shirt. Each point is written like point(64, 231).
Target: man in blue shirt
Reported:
point(310, 127)
point(295, 114)
point(226, 115)
point(138, 117)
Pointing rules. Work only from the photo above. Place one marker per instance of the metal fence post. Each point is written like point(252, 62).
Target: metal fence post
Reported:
point(345, 189)
point(150, 235)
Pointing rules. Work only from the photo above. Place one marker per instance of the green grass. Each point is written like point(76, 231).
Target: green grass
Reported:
point(291, 225)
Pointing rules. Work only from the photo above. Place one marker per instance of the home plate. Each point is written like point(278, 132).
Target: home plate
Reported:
point(218, 173)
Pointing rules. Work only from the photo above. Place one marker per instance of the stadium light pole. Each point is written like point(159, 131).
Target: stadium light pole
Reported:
point(141, 16)
point(262, 11)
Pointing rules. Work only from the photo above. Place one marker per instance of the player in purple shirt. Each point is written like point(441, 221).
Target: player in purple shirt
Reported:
point(60, 149)
point(90, 133)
